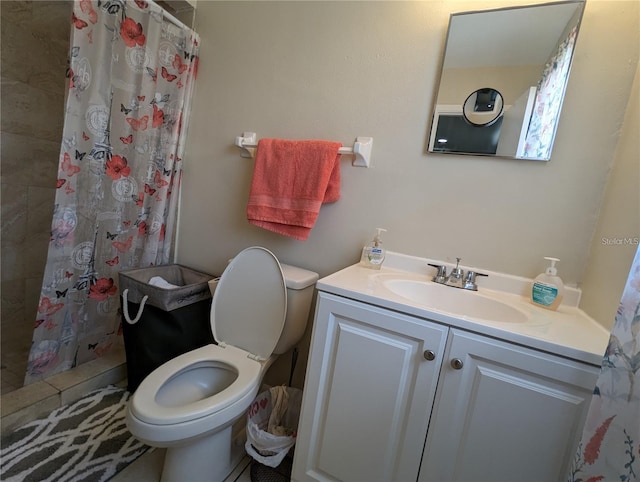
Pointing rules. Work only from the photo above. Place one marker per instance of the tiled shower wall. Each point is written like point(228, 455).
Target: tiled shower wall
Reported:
point(34, 44)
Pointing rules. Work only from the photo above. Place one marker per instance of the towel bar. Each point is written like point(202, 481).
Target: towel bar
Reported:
point(361, 149)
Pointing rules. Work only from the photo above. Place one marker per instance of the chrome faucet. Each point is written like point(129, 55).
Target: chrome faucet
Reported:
point(441, 277)
point(470, 280)
point(457, 277)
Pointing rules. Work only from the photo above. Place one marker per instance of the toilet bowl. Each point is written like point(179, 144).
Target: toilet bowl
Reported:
point(189, 404)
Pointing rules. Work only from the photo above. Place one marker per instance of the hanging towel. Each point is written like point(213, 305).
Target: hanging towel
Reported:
point(291, 180)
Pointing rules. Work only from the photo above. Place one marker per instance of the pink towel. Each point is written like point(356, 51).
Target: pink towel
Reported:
point(291, 180)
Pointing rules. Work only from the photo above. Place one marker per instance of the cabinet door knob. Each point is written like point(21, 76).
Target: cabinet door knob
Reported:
point(457, 363)
point(429, 355)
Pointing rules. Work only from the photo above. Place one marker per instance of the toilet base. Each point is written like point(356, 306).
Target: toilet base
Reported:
point(209, 458)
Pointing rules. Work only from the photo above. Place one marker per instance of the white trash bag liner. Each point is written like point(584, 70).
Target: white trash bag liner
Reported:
point(272, 424)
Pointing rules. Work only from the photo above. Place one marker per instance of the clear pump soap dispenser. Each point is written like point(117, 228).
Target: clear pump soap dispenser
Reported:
point(373, 253)
point(548, 290)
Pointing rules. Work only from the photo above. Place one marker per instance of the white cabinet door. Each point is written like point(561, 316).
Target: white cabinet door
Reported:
point(368, 393)
point(508, 414)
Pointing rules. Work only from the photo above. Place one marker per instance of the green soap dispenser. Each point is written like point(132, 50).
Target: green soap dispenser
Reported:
point(373, 253)
point(548, 290)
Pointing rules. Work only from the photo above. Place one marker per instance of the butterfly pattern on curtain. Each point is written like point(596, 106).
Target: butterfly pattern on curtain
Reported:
point(131, 76)
point(610, 445)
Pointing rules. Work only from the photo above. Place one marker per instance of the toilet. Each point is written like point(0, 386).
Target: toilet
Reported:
point(189, 405)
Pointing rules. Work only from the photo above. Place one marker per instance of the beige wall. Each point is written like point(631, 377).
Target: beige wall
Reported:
point(337, 70)
point(616, 238)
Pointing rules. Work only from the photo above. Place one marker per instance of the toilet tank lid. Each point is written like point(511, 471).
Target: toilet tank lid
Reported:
point(298, 278)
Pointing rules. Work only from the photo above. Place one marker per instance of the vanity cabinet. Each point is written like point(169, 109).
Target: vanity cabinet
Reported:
point(398, 398)
point(371, 379)
point(505, 413)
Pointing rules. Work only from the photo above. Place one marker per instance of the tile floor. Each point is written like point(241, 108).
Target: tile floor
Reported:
point(30, 402)
point(148, 468)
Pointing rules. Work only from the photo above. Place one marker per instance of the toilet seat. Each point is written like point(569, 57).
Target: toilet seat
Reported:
point(250, 303)
point(145, 406)
point(248, 313)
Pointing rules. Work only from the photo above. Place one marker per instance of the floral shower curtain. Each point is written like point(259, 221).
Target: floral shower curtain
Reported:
point(548, 102)
point(131, 76)
point(610, 445)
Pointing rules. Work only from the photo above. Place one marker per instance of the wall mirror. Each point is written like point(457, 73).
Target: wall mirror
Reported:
point(503, 80)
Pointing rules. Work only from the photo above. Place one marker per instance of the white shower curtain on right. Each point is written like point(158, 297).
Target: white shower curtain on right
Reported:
point(610, 445)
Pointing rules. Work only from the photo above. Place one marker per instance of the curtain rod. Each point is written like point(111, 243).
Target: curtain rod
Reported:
point(170, 17)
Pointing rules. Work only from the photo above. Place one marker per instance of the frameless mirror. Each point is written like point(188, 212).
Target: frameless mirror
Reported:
point(521, 54)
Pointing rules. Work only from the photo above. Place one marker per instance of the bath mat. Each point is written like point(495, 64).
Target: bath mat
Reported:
point(262, 473)
point(86, 441)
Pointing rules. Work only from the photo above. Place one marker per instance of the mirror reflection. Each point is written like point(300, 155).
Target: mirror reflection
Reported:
point(523, 54)
point(483, 107)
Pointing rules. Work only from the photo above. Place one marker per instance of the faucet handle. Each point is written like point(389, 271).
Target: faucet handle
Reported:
point(441, 276)
point(470, 281)
point(457, 272)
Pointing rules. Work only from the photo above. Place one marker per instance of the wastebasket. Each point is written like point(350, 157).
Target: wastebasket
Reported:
point(272, 426)
point(165, 313)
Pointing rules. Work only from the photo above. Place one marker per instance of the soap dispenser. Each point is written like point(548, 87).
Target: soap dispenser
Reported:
point(373, 253)
point(548, 290)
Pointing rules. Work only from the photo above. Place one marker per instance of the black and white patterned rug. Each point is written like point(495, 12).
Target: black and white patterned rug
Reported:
point(86, 441)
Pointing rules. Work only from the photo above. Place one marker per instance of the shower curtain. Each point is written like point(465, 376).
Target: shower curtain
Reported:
point(548, 102)
point(610, 445)
point(130, 80)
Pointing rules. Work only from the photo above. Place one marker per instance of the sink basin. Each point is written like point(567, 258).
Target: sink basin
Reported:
point(455, 301)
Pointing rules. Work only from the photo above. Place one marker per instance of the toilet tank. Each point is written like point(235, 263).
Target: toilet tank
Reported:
point(300, 285)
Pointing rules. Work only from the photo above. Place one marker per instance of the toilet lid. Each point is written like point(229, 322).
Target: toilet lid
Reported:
point(250, 303)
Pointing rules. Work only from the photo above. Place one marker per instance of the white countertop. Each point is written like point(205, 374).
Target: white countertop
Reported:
point(568, 332)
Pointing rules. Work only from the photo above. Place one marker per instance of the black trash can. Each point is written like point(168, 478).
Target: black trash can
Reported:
point(161, 321)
